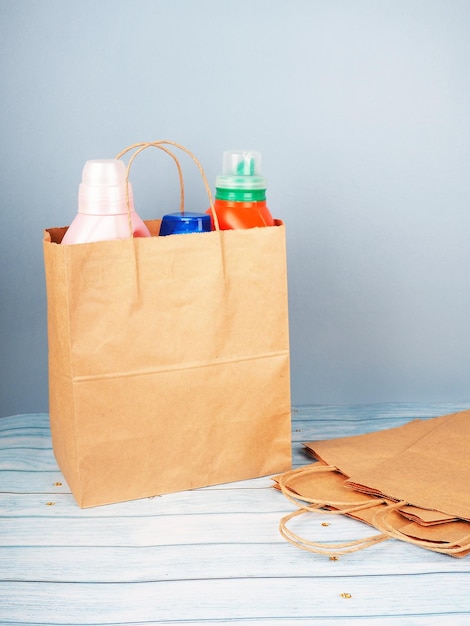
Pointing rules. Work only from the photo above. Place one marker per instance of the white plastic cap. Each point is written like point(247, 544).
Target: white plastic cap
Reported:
point(103, 188)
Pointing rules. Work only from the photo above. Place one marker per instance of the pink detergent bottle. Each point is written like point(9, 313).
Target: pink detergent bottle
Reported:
point(102, 205)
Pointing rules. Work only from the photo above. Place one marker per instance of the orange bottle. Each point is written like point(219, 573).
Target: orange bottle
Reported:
point(240, 192)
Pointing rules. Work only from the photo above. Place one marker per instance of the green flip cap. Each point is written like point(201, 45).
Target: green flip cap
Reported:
point(241, 180)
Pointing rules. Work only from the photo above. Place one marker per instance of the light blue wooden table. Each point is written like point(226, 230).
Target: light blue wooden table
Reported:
point(211, 556)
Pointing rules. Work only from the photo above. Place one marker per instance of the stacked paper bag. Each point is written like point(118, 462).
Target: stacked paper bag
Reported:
point(410, 483)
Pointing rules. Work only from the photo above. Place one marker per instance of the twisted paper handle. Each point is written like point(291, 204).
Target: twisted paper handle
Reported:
point(322, 547)
point(381, 522)
point(140, 147)
point(315, 505)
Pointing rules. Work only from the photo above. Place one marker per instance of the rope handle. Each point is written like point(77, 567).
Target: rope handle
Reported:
point(381, 522)
point(307, 504)
point(330, 549)
point(298, 500)
point(140, 147)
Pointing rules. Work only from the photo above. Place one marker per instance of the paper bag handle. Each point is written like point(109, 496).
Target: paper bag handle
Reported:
point(160, 147)
point(315, 505)
point(317, 468)
point(140, 147)
point(382, 523)
point(322, 547)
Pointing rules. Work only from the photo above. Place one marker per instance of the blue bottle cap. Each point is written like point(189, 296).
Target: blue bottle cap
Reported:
point(187, 222)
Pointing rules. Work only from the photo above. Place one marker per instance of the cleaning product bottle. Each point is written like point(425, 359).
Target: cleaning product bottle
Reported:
point(240, 194)
point(184, 223)
point(102, 205)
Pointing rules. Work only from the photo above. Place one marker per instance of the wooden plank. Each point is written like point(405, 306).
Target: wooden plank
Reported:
point(162, 529)
point(127, 563)
point(233, 598)
point(212, 555)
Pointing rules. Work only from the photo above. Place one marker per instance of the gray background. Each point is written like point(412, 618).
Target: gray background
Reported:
point(361, 112)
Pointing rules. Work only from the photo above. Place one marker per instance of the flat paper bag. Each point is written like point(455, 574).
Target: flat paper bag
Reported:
point(362, 452)
point(168, 361)
point(330, 491)
point(432, 473)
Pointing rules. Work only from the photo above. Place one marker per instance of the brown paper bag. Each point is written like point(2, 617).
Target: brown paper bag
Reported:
point(168, 360)
point(322, 488)
point(358, 452)
point(431, 473)
point(425, 517)
point(373, 457)
point(451, 537)
point(362, 453)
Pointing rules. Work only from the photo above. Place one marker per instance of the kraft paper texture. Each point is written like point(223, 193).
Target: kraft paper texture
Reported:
point(168, 361)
